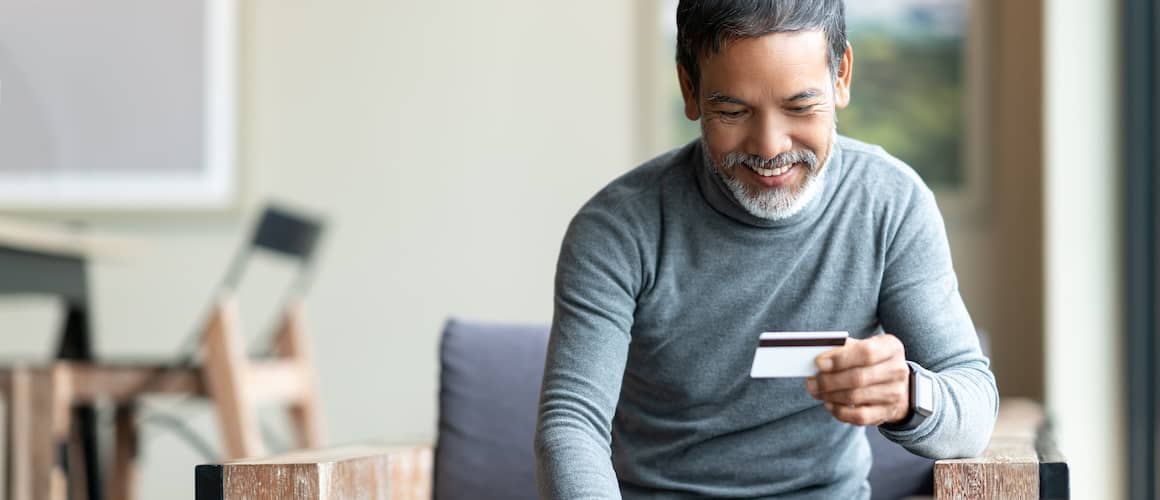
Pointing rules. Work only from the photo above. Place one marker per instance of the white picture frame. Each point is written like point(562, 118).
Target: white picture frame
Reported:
point(56, 178)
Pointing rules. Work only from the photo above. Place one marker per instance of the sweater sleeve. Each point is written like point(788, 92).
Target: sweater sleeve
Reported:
point(598, 276)
point(920, 304)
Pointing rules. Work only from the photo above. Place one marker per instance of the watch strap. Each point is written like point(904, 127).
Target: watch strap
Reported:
point(919, 405)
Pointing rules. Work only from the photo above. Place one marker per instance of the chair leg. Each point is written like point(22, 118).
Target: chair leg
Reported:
point(306, 412)
point(226, 372)
point(18, 431)
point(50, 406)
point(76, 467)
point(123, 477)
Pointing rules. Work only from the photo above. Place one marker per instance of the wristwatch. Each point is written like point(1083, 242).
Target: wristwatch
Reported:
point(921, 400)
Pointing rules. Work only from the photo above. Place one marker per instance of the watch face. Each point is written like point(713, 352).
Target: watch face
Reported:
point(923, 395)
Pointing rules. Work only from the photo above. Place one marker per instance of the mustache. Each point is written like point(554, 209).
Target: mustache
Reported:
point(737, 158)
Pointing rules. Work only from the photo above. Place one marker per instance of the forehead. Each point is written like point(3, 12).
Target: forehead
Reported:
point(780, 62)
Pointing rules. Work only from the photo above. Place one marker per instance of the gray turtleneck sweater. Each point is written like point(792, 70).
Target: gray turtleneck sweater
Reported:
point(663, 285)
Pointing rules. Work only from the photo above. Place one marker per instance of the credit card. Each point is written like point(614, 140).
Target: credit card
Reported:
point(792, 354)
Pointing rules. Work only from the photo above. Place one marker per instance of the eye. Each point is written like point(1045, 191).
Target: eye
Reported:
point(802, 109)
point(731, 114)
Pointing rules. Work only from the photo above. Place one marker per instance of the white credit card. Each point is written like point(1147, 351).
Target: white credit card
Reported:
point(792, 354)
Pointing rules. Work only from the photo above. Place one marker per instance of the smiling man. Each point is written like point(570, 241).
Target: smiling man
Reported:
point(771, 222)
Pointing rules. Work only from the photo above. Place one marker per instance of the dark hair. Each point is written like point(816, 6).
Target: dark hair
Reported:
point(704, 26)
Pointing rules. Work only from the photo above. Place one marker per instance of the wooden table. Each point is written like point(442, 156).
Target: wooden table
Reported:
point(1020, 462)
point(51, 260)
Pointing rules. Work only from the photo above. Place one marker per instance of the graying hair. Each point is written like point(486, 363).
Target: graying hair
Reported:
point(705, 26)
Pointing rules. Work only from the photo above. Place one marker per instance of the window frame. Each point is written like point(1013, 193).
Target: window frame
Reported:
point(1141, 224)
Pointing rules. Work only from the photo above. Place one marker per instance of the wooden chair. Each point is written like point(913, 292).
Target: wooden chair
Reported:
point(40, 399)
point(40, 396)
point(369, 472)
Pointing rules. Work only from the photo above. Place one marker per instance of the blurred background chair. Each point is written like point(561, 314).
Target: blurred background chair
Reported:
point(42, 397)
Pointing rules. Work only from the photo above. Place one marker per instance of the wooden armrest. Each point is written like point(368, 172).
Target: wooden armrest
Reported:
point(1020, 462)
point(370, 472)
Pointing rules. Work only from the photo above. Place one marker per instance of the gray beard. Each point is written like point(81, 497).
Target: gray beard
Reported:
point(773, 204)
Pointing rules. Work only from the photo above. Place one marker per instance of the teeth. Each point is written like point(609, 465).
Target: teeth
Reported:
point(770, 172)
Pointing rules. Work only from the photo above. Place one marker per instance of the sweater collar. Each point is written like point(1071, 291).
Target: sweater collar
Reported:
point(718, 195)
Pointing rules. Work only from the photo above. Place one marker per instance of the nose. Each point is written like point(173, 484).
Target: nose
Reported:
point(770, 137)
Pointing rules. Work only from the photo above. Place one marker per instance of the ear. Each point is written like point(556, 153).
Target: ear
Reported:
point(692, 107)
point(842, 84)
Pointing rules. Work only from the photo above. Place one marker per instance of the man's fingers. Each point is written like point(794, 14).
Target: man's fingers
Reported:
point(879, 394)
point(864, 381)
point(857, 352)
point(860, 415)
point(853, 378)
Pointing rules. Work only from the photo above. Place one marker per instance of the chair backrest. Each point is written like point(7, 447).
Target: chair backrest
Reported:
point(280, 231)
point(488, 396)
point(489, 391)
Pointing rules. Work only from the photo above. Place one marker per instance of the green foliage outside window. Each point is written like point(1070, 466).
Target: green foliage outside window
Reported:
point(907, 96)
point(908, 87)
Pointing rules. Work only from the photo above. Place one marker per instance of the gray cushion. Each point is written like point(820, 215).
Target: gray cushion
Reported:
point(489, 391)
point(897, 473)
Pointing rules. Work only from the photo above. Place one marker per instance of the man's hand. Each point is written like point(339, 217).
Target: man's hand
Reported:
point(865, 382)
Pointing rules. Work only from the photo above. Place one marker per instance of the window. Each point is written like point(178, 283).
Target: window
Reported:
point(908, 91)
point(917, 71)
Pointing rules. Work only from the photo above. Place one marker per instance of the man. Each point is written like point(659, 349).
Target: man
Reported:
point(771, 222)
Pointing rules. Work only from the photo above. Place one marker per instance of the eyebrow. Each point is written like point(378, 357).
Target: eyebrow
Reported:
point(719, 98)
point(803, 95)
